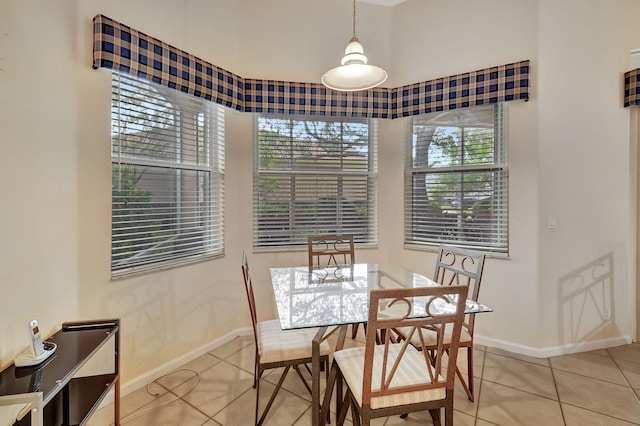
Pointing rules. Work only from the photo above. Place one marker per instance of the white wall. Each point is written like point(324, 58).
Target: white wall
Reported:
point(584, 52)
point(569, 156)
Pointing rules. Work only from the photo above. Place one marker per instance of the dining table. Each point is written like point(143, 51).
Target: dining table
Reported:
point(330, 298)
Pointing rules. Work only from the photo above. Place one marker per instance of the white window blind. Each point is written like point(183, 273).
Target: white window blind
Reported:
point(456, 179)
point(167, 151)
point(314, 176)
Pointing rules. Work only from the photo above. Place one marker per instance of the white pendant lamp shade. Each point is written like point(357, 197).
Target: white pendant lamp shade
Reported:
point(354, 73)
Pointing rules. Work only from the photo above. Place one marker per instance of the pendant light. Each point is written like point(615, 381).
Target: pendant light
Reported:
point(354, 73)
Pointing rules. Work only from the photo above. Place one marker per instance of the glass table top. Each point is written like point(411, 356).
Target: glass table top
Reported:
point(334, 295)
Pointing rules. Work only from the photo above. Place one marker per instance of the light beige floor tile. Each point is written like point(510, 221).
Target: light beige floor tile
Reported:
point(187, 372)
point(211, 423)
point(176, 412)
point(575, 416)
point(480, 347)
point(518, 374)
point(601, 352)
point(631, 371)
point(292, 382)
point(233, 346)
point(629, 353)
point(102, 417)
point(286, 408)
point(461, 419)
point(423, 418)
point(243, 358)
point(596, 395)
point(480, 422)
point(506, 406)
point(142, 398)
point(305, 419)
point(218, 387)
point(590, 365)
point(461, 401)
point(478, 361)
point(540, 361)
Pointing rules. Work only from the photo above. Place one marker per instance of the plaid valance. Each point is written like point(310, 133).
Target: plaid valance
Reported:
point(632, 88)
point(122, 48)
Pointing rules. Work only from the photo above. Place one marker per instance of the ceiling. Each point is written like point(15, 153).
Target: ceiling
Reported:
point(383, 2)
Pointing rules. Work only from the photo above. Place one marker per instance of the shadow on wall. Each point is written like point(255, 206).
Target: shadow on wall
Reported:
point(165, 318)
point(585, 302)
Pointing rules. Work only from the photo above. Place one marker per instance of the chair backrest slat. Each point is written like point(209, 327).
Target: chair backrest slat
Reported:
point(456, 266)
point(326, 250)
point(248, 286)
point(419, 311)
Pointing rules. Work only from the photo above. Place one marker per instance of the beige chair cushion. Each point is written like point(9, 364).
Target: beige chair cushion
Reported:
point(351, 363)
point(430, 336)
point(277, 345)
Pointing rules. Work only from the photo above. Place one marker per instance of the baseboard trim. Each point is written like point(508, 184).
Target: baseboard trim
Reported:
point(552, 351)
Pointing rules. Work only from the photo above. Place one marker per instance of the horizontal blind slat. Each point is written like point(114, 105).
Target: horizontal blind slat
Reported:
point(167, 174)
point(456, 179)
point(314, 176)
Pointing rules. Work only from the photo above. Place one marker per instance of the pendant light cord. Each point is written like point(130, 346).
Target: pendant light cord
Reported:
point(354, 18)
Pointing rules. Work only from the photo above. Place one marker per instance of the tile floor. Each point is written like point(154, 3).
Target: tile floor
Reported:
point(593, 388)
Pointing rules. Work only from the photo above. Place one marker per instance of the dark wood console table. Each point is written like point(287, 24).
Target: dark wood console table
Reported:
point(57, 397)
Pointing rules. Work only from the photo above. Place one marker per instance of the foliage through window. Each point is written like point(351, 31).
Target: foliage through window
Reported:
point(314, 176)
point(456, 179)
point(167, 154)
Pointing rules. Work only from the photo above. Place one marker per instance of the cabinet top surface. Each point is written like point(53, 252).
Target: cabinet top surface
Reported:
point(76, 342)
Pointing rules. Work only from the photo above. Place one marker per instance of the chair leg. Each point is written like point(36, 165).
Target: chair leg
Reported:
point(344, 407)
point(467, 385)
point(257, 387)
point(355, 415)
point(435, 416)
point(273, 396)
point(255, 372)
point(302, 379)
point(354, 330)
point(470, 382)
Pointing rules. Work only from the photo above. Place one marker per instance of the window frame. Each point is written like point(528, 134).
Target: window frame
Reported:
point(184, 163)
point(470, 228)
point(370, 239)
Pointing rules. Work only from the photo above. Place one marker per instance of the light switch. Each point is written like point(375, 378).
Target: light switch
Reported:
point(552, 222)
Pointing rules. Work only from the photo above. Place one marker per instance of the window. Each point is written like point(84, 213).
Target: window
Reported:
point(314, 176)
point(456, 179)
point(167, 156)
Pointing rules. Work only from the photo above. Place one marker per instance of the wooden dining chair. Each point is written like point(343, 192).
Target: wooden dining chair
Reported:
point(327, 250)
point(456, 266)
point(276, 348)
point(395, 377)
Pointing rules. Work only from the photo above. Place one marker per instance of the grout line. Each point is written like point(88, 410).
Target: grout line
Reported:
point(555, 387)
point(476, 397)
point(615, 361)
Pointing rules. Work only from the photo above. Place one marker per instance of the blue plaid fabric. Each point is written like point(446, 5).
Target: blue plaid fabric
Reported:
point(632, 87)
point(488, 86)
point(117, 46)
point(122, 48)
point(282, 97)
